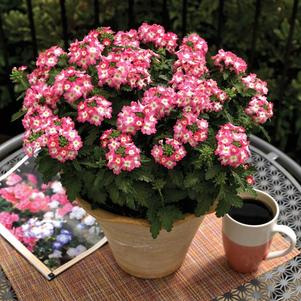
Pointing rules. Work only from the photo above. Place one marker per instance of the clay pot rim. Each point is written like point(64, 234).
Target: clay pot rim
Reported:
point(108, 216)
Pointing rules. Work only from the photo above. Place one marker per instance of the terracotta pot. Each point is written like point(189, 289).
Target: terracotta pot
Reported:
point(134, 249)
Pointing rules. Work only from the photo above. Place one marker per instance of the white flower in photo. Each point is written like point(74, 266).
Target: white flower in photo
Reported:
point(53, 204)
point(89, 220)
point(57, 187)
point(48, 215)
point(77, 213)
point(55, 254)
point(73, 252)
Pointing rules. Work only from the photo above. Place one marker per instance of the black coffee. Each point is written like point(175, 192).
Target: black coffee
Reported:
point(252, 212)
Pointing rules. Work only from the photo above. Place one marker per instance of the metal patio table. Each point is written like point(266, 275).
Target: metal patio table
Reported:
point(276, 174)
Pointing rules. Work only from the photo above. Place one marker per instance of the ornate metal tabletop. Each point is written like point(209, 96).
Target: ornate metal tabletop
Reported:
point(281, 283)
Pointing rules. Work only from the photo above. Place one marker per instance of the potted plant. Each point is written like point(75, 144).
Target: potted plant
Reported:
point(149, 130)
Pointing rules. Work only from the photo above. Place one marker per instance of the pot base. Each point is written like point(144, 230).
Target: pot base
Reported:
point(134, 249)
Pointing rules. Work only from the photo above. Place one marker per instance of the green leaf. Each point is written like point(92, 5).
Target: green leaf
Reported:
point(155, 227)
point(212, 172)
point(124, 184)
point(115, 195)
point(48, 167)
point(191, 180)
point(144, 175)
point(168, 215)
point(72, 184)
point(17, 115)
point(227, 198)
point(203, 205)
point(176, 177)
point(174, 195)
point(91, 137)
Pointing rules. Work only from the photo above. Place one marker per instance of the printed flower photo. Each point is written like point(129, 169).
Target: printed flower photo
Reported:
point(42, 218)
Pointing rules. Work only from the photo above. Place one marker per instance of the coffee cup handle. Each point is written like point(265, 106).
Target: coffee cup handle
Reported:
point(292, 239)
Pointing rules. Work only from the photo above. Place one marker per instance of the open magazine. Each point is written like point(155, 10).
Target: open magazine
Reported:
point(37, 218)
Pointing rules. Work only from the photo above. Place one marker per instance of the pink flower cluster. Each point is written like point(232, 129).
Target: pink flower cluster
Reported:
point(136, 117)
point(72, 84)
point(156, 35)
point(45, 62)
point(44, 129)
point(49, 58)
point(36, 122)
point(199, 96)
point(259, 109)
point(25, 197)
point(94, 110)
point(125, 67)
point(86, 52)
point(168, 153)
point(232, 145)
point(40, 94)
point(227, 59)
point(7, 219)
point(159, 101)
point(128, 39)
point(190, 129)
point(28, 241)
point(122, 154)
point(252, 82)
point(64, 141)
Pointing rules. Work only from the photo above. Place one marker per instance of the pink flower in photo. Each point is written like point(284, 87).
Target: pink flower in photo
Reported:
point(13, 179)
point(7, 219)
point(28, 241)
point(62, 211)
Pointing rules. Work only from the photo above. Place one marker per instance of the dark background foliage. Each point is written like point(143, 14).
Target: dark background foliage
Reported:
point(265, 33)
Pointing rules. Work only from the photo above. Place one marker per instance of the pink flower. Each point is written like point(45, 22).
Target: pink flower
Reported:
point(128, 38)
point(49, 58)
point(13, 179)
point(72, 84)
point(86, 52)
point(94, 110)
point(259, 109)
point(232, 145)
point(199, 96)
point(7, 219)
point(125, 66)
point(168, 153)
point(190, 129)
point(136, 117)
point(65, 209)
point(156, 35)
point(28, 241)
point(112, 134)
point(159, 101)
point(230, 61)
point(250, 180)
point(252, 82)
point(122, 156)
